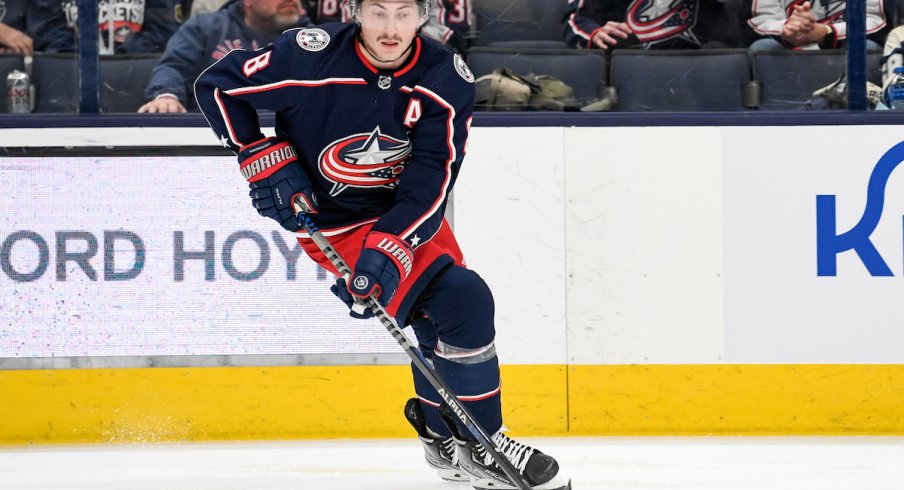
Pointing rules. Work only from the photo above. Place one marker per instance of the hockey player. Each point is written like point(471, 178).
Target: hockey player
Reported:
point(372, 121)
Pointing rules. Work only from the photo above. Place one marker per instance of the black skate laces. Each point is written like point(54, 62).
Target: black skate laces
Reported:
point(516, 452)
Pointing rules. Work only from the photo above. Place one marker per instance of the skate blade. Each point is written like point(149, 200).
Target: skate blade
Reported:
point(490, 484)
point(566, 486)
point(453, 475)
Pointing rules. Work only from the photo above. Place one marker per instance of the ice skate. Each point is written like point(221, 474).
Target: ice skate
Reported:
point(438, 451)
point(541, 471)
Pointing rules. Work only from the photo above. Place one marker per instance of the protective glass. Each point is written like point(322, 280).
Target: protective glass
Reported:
point(390, 16)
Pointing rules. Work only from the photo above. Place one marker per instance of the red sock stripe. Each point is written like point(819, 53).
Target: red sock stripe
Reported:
point(484, 396)
point(470, 398)
point(428, 402)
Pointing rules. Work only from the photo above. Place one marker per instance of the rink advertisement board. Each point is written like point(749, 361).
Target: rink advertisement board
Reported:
point(813, 240)
point(713, 245)
point(692, 245)
point(157, 256)
point(647, 280)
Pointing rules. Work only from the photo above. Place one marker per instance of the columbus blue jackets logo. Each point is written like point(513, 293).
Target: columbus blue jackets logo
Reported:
point(658, 20)
point(364, 160)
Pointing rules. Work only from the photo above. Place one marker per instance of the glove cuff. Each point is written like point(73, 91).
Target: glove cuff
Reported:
point(263, 158)
point(393, 247)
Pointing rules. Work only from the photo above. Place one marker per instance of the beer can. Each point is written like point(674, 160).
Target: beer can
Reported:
point(18, 87)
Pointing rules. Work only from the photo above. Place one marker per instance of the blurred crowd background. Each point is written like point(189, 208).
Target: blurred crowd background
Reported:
point(571, 55)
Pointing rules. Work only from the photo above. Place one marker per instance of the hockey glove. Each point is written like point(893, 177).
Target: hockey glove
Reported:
point(276, 179)
point(340, 289)
point(385, 260)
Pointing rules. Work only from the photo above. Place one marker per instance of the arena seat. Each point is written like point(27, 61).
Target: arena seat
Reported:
point(788, 78)
point(583, 71)
point(8, 63)
point(680, 80)
point(122, 81)
point(56, 82)
point(535, 23)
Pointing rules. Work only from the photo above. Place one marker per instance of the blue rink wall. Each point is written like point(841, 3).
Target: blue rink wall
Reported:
point(653, 274)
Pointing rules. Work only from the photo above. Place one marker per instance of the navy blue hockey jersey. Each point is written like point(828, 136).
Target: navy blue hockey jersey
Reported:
point(382, 146)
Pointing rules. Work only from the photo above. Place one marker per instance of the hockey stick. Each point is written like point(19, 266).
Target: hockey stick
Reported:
point(417, 358)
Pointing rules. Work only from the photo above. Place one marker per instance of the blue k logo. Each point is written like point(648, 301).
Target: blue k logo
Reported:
point(829, 243)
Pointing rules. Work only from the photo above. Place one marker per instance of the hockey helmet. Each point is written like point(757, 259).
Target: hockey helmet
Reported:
point(424, 5)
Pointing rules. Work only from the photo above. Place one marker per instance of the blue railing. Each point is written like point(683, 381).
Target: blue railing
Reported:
point(498, 119)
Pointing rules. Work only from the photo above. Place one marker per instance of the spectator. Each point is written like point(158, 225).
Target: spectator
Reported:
point(791, 24)
point(125, 26)
point(13, 38)
point(205, 38)
point(450, 23)
point(206, 6)
point(652, 24)
point(450, 20)
point(324, 11)
point(893, 55)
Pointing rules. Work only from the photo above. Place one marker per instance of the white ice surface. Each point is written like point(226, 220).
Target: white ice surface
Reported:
point(817, 463)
